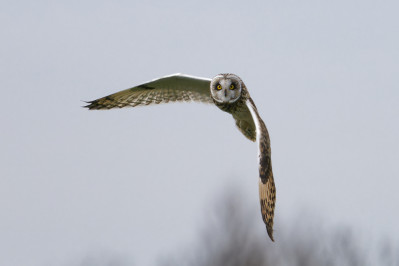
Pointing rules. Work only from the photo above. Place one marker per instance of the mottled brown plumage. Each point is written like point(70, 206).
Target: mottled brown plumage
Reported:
point(267, 189)
point(228, 93)
point(157, 91)
point(247, 117)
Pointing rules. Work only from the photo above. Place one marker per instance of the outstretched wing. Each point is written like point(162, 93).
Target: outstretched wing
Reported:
point(173, 88)
point(267, 189)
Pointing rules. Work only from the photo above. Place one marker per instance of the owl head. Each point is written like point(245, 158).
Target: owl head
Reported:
point(226, 88)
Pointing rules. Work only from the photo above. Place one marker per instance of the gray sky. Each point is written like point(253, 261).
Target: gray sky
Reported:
point(137, 182)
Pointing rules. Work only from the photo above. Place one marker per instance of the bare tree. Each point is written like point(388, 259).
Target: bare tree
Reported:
point(230, 239)
point(230, 236)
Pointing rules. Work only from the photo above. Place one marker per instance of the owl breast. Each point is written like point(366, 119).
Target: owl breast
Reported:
point(231, 108)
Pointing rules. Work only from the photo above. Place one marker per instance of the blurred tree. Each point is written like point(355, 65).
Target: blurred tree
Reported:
point(229, 238)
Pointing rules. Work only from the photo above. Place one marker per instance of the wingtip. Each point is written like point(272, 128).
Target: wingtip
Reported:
point(88, 105)
point(270, 233)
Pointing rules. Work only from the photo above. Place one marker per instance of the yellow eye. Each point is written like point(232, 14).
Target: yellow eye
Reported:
point(219, 87)
point(232, 87)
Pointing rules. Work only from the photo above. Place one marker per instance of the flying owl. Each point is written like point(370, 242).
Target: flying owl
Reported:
point(229, 93)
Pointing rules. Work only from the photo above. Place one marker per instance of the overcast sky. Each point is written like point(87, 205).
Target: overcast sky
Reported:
point(138, 182)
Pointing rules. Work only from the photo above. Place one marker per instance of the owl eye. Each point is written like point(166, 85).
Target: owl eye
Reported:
point(219, 87)
point(232, 87)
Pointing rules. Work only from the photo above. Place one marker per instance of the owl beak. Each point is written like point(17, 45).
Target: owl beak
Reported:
point(225, 93)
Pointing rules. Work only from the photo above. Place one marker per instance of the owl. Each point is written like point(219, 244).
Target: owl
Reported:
point(229, 93)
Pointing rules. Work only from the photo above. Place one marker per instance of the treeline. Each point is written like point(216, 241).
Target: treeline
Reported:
point(229, 238)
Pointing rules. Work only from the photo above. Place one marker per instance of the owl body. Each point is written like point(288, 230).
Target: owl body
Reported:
point(229, 93)
point(238, 108)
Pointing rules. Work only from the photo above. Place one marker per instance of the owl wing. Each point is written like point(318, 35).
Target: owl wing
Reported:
point(173, 88)
point(267, 189)
point(245, 123)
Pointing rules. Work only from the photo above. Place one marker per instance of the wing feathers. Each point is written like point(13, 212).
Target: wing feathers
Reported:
point(245, 122)
point(267, 189)
point(173, 88)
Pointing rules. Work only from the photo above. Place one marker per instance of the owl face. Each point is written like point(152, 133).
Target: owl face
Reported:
point(226, 88)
